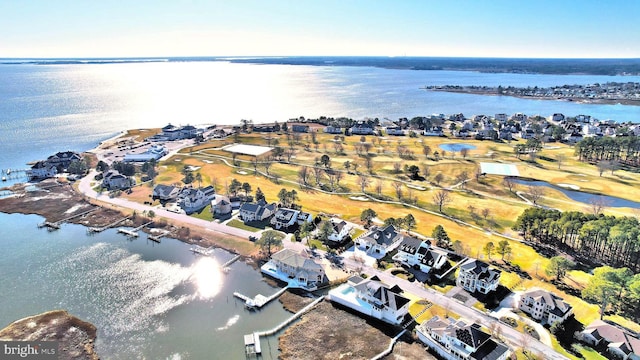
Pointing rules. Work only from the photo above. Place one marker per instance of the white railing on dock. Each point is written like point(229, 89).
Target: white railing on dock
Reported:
point(259, 300)
point(235, 258)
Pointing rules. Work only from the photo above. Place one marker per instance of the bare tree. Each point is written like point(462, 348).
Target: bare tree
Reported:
point(397, 167)
point(426, 171)
point(367, 147)
point(364, 182)
point(303, 175)
point(267, 165)
point(485, 213)
point(598, 204)
point(317, 173)
point(397, 186)
point(462, 178)
point(379, 187)
point(289, 153)
point(560, 159)
point(438, 178)
point(426, 150)
point(331, 175)
point(535, 193)
point(509, 183)
point(368, 163)
point(464, 152)
point(339, 175)
point(442, 198)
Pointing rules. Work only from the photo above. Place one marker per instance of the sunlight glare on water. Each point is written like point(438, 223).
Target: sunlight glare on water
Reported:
point(207, 276)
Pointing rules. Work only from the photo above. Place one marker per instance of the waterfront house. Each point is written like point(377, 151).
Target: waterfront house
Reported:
point(420, 255)
point(372, 298)
point(286, 218)
point(220, 205)
point(433, 131)
point(557, 117)
point(296, 269)
point(544, 306)
point(620, 342)
point(455, 340)
point(165, 192)
point(459, 117)
point(501, 118)
point(154, 152)
point(62, 159)
point(475, 275)
point(195, 199)
point(258, 211)
point(378, 240)
point(42, 170)
point(394, 130)
point(113, 180)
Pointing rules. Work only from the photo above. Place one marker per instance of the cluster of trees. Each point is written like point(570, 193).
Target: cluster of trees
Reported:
point(599, 238)
point(617, 289)
point(236, 186)
point(624, 149)
point(288, 198)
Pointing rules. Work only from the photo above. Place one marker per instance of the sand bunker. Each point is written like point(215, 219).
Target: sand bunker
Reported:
point(569, 186)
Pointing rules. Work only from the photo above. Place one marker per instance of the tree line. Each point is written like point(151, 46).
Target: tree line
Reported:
point(599, 238)
point(621, 149)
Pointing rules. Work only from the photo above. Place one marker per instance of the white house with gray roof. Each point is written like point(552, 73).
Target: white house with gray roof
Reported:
point(476, 275)
point(378, 240)
point(295, 269)
point(544, 306)
point(420, 255)
point(372, 298)
point(165, 192)
point(257, 211)
point(620, 342)
point(195, 199)
point(455, 340)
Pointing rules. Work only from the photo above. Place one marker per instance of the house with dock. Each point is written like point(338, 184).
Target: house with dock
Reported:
point(41, 170)
point(544, 306)
point(63, 159)
point(476, 275)
point(420, 255)
point(455, 340)
point(296, 269)
point(373, 298)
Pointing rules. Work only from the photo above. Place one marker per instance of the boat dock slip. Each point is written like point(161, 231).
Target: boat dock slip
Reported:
point(157, 237)
point(134, 232)
point(260, 300)
point(202, 250)
point(252, 344)
point(56, 225)
point(256, 335)
point(101, 229)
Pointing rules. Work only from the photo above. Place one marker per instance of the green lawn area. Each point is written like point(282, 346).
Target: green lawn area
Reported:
point(204, 214)
point(589, 353)
point(240, 225)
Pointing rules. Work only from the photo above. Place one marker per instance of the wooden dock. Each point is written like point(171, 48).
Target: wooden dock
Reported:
point(101, 229)
point(134, 232)
point(259, 300)
point(51, 226)
point(225, 266)
point(158, 236)
point(256, 335)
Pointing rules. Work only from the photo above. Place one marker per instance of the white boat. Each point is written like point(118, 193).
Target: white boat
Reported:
point(202, 250)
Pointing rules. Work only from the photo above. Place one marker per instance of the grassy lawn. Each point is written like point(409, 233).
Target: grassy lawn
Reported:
point(588, 353)
point(204, 214)
point(240, 225)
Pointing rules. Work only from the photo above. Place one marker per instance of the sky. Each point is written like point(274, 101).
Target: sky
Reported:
point(480, 28)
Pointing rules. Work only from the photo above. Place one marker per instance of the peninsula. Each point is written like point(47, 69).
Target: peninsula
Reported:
point(447, 229)
point(607, 93)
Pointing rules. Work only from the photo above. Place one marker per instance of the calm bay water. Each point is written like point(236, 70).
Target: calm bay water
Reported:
point(159, 301)
point(148, 301)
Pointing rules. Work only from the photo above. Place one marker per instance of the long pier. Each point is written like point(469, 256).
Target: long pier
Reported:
point(134, 232)
point(56, 225)
point(101, 229)
point(234, 259)
point(259, 300)
point(255, 344)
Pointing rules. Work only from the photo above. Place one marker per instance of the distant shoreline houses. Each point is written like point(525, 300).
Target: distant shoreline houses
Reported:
point(53, 165)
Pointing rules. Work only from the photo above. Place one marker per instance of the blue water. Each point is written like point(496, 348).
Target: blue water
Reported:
point(454, 147)
point(583, 197)
point(47, 108)
point(148, 300)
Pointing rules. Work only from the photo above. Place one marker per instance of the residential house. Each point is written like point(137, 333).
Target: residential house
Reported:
point(340, 230)
point(195, 199)
point(591, 130)
point(285, 218)
point(573, 137)
point(295, 269)
point(583, 118)
point(544, 306)
point(372, 298)
point(165, 192)
point(394, 130)
point(264, 128)
point(620, 342)
point(362, 128)
point(433, 131)
point(419, 255)
point(378, 240)
point(333, 130)
point(299, 128)
point(113, 180)
point(557, 117)
point(154, 152)
point(62, 159)
point(501, 118)
point(459, 117)
point(220, 205)
point(455, 340)
point(258, 211)
point(42, 170)
point(519, 117)
point(475, 275)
